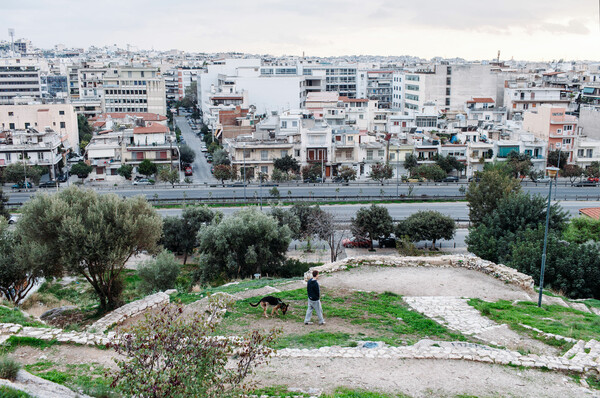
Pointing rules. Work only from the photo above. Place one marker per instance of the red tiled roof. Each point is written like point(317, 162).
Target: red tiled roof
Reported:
point(98, 124)
point(592, 212)
point(151, 128)
point(147, 116)
point(346, 99)
point(552, 73)
point(481, 101)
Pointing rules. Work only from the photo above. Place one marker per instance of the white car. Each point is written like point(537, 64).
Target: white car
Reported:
point(13, 218)
point(75, 159)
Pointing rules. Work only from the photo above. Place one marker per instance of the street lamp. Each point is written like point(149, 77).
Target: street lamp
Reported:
point(244, 150)
point(397, 171)
point(552, 171)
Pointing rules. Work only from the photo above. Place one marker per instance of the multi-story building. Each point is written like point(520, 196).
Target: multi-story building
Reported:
point(520, 97)
point(380, 87)
point(31, 146)
point(134, 89)
point(257, 155)
point(482, 111)
point(587, 152)
point(61, 119)
point(553, 125)
point(19, 83)
point(589, 121)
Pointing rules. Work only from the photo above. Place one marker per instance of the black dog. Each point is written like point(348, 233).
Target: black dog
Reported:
point(275, 302)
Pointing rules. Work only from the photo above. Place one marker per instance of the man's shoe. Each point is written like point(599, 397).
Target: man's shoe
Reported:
point(323, 323)
point(308, 323)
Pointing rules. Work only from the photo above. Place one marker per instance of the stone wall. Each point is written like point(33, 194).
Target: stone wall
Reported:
point(499, 271)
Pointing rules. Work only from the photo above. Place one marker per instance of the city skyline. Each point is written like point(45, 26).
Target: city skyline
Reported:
point(535, 30)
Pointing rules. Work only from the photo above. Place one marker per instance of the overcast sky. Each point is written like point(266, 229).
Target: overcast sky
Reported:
point(472, 29)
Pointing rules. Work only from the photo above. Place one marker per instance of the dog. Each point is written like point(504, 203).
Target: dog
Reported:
point(275, 302)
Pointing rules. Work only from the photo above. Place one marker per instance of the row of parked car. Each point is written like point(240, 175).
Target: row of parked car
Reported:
point(359, 242)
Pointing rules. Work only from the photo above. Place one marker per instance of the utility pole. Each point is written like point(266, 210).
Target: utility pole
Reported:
point(244, 150)
point(398, 170)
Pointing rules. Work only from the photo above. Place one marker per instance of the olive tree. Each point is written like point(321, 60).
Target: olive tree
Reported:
point(427, 225)
point(381, 172)
point(241, 245)
point(372, 222)
point(483, 196)
point(91, 235)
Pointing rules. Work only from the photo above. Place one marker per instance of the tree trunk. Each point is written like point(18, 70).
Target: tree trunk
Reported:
point(185, 256)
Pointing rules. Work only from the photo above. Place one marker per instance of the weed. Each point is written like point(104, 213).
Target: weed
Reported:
point(9, 368)
point(343, 392)
point(14, 315)
point(8, 392)
point(16, 341)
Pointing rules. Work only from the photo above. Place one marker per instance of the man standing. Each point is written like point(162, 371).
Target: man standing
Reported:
point(314, 300)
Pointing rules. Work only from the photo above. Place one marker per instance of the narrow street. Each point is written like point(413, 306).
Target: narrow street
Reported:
point(200, 167)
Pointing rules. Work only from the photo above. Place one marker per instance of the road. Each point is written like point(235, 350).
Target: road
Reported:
point(200, 167)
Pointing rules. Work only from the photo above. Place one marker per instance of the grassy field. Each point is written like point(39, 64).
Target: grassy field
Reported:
point(553, 319)
point(357, 316)
point(13, 315)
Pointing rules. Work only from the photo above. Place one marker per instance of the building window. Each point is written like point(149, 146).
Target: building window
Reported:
point(246, 153)
point(11, 113)
point(392, 156)
point(580, 152)
point(568, 127)
point(284, 124)
point(61, 112)
point(567, 141)
point(11, 126)
point(350, 138)
point(264, 155)
point(370, 154)
point(63, 125)
point(381, 153)
point(447, 101)
point(40, 155)
point(297, 153)
point(264, 169)
point(284, 153)
point(590, 153)
point(8, 157)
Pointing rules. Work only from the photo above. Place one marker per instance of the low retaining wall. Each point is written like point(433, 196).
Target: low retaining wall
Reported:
point(85, 338)
point(499, 271)
point(129, 310)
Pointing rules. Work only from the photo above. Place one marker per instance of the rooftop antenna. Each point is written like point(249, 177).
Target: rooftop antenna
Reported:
point(498, 60)
point(11, 33)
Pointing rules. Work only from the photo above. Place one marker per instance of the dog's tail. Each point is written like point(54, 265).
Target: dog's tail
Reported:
point(254, 305)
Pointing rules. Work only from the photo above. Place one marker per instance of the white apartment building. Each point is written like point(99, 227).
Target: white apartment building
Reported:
point(60, 118)
point(448, 86)
point(586, 152)
point(32, 146)
point(19, 83)
point(134, 89)
point(482, 111)
point(520, 97)
point(380, 87)
point(589, 121)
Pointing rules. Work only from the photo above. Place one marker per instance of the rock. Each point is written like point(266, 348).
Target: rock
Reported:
point(55, 312)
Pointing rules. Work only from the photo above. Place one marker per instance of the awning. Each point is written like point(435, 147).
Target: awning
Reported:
point(588, 90)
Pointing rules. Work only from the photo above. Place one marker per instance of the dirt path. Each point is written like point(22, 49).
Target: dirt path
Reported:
point(425, 281)
point(417, 378)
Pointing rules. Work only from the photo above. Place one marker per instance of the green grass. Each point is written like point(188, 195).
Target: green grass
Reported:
point(553, 319)
point(248, 284)
point(90, 379)
point(8, 392)
point(380, 316)
point(343, 392)
point(276, 391)
point(17, 341)
point(8, 315)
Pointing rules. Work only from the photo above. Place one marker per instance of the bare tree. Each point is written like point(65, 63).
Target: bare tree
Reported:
point(324, 226)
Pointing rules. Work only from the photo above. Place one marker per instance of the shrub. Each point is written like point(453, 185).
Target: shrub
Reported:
point(406, 247)
point(293, 267)
point(9, 368)
point(160, 273)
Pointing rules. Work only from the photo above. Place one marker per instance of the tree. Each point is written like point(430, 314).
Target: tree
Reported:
point(171, 354)
point(222, 172)
point(241, 245)
point(553, 159)
point(287, 218)
point(191, 93)
point(167, 174)
point(90, 235)
point(22, 265)
point(220, 157)
point(305, 215)
point(186, 154)
point(449, 163)
point(312, 172)
point(3, 210)
point(82, 170)
point(159, 274)
point(582, 229)
point(147, 168)
point(213, 146)
point(593, 170)
point(519, 163)
point(278, 175)
point(381, 172)
point(431, 172)
point(324, 227)
point(85, 131)
point(427, 225)
point(347, 173)
point(16, 173)
point(572, 171)
point(483, 196)
point(247, 173)
point(372, 222)
point(490, 239)
point(287, 164)
point(125, 171)
point(179, 233)
point(410, 162)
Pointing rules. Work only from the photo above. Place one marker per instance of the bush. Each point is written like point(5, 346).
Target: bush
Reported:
point(293, 267)
point(406, 247)
point(9, 368)
point(159, 274)
point(7, 392)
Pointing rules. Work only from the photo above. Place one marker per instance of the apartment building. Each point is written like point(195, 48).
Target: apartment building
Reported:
point(482, 111)
point(61, 119)
point(19, 83)
point(134, 89)
point(447, 86)
point(380, 87)
point(185, 78)
point(586, 152)
point(31, 146)
point(553, 125)
point(520, 97)
point(589, 121)
point(257, 154)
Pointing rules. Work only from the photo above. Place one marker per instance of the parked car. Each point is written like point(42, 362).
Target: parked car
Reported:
point(387, 241)
point(21, 185)
point(313, 180)
point(451, 179)
point(62, 178)
point(203, 148)
point(584, 184)
point(209, 158)
point(13, 218)
point(543, 180)
point(188, 171)
point(48, 184)
point(593, 179)
point(476, 179)
point(143, 181)
point(75, 159)
point(356, 242)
